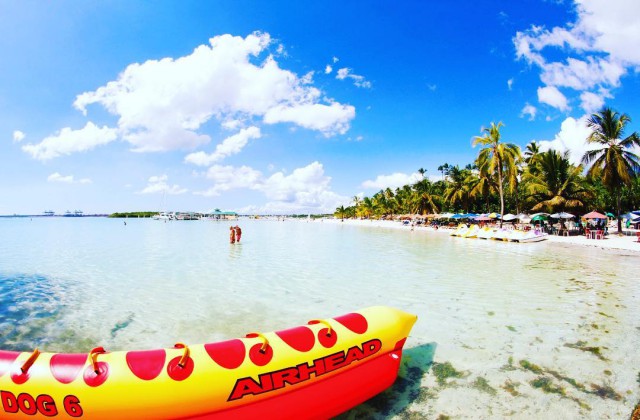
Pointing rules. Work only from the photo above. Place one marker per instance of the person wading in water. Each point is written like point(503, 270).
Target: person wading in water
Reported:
point(238, 233)
point(232, 235)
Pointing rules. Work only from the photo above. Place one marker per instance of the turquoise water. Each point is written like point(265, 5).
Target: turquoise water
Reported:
point(71, 284)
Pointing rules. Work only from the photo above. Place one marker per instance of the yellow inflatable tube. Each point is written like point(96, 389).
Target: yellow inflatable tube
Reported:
point(313, 371)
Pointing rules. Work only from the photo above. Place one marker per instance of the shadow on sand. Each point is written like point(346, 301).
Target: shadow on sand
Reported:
point(416, 362)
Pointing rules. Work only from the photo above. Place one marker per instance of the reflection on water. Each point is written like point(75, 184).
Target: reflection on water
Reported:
point(29, 304)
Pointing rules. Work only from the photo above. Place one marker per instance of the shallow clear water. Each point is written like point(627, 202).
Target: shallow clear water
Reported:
point(70, 284)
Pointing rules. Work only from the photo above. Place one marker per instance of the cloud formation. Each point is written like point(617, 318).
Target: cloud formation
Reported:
point(392, 181)
point(162, 104)
point(66, 179)
point(306, 189)
point(69, 141)
point(600, 47)
point(18, 136)
point(358, 81)
point(572, 137)
point(158, 184)
point(229, 146)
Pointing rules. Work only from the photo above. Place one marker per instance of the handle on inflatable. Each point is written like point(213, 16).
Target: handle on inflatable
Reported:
point(265, 340)
point(25, 367)
point(185, 355)
point(93, 358)
point(323, 322)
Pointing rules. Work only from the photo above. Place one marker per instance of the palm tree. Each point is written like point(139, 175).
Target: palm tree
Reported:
point(556, 185)
point(500, 159)
point(340, 212)
point(457, 190)
point(611, 160)
point(425, 196)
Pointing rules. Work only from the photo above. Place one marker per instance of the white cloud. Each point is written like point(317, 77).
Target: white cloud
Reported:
point(358, 81)
point(158, 184)
point(598, 48)
point(335, 60)
point(392, 181)
point(328, 69)
point(529, 110)
point(592, 102)
point(229, 146)
point(67, 179)
point(328, 119)
point(572, 136)
point(550, 95)
point(161, 104)
point(69, 141)
point(510, 83)
point(306, 189)
point(18, 136)
point(228, 177)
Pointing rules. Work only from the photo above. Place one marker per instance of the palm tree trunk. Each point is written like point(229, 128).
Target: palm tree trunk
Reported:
point(619, 205)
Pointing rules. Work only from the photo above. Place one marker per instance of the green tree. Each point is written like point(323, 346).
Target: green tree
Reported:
point(611, 158)
point(498, 159)
point(556, 185)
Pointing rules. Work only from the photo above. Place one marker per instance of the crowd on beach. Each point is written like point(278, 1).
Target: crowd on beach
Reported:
point(235, 234)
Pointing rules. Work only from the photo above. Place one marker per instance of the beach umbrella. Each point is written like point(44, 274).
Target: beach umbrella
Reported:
point(459, 216)
point(562, 215)
point(482, 218)
point(445, 216)
point(594, 215)
point(494, 216)
point(538, 217)
point(508, 217)
point(609, 214)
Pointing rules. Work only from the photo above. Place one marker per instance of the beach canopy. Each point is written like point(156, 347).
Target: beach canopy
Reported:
point(494, 216)
point(459, 216)
point(609, 214)
point(562, 215)
point(507, 217)
point(594, 215)
point(538, 217)
point(482, 218)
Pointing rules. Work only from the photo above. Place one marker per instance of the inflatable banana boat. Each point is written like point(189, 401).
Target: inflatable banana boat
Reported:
point(314, 371)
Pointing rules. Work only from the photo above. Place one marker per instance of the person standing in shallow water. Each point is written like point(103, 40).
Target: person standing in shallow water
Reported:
point(232, 235)
point(238, 233)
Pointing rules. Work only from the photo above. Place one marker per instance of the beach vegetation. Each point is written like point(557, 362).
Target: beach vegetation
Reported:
point(498, 160)
point(133, 214)
point(505, 179)
point(546, 385)
point(582, 345)
point(481, 384)
point(611, 156)
point(511, 387)
point(444, 371)
point(531, 366)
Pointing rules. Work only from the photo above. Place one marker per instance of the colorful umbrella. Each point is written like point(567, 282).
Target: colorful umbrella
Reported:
point(594, 215)
point(562, 215)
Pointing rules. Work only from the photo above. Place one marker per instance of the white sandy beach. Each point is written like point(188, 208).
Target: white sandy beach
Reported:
point(611, 241)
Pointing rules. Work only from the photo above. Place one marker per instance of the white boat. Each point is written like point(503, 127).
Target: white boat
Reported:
point(534, 235)
point(486, 233)
point(501, 234)
point(163, 215)
point(460, 230)
point(472, 232)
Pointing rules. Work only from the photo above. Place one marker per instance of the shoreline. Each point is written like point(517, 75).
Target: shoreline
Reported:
point(611, 241)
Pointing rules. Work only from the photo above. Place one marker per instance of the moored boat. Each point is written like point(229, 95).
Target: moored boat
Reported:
point(534, 235)
point(314, 371)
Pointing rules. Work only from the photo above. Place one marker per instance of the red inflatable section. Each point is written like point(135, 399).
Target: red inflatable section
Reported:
point(66, 367)
point(299, 338)
point(146, 364)
point(228, 354)
point(326, 398)
point(6, 360)
point(355, 322)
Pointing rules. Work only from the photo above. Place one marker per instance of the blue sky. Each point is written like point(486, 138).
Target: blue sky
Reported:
point(289, 107)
